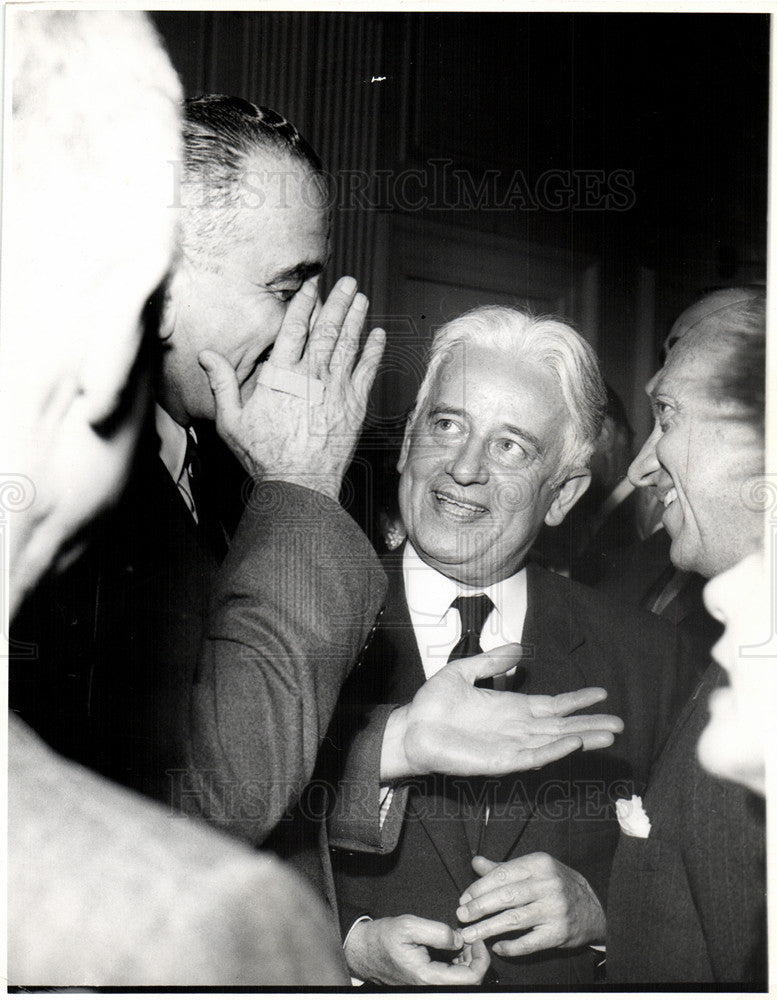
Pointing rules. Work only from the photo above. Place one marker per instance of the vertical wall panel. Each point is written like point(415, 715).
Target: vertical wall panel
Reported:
point(317, 69)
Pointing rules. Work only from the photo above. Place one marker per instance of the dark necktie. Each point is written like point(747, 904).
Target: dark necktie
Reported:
point(665, 590)
point(473, 612)
point(207, 516)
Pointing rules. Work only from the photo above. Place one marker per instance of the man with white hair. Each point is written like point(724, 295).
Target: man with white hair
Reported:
point(104, 888)
point(498, 445)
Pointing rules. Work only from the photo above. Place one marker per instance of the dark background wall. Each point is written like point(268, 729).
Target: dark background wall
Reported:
point(608, 166)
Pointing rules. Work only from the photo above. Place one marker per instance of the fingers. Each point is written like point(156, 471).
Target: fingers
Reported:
point(507, 922)
point(526, 944)
point(507, 896)
point(223, 384)
point(573, 701)
point(517, 892)
point(579, 725)
point(435, 934)
point(290, 342)
point(329, 325)
point(482, 867)
point(347, 343)
point(555, 750)
point(496, 661)
point(439, 974)
point(367, 366)
point(598, 740)
point(480, 960)
point(495, 875)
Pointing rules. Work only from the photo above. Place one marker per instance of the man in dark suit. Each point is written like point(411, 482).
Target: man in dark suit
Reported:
point(687, 894)
point(157, 646)
point(105, 888)
point(497, 445)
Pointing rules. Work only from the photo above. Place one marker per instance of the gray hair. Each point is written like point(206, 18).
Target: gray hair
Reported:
point(220, 133)
point(551, 343)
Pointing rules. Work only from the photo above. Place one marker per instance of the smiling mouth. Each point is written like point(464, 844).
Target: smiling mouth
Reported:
point(459, 508)
point(669, 497)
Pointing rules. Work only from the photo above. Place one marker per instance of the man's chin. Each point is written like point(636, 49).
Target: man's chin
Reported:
point(723, 752)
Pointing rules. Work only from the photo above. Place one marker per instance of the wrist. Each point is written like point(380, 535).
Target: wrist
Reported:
point(356, 949)
point(329, 486)
point(394, 763)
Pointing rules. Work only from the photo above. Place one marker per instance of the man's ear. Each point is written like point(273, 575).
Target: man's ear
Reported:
point(569, 493)
point(405, 444)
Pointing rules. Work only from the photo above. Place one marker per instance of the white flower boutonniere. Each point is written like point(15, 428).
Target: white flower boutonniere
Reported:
point(632, 817)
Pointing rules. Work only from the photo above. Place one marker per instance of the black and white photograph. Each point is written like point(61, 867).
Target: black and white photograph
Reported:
point(389, 507)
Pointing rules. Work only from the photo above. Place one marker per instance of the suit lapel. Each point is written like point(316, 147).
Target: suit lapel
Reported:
point(398, 648)
point(549, 637)
point(434, 802)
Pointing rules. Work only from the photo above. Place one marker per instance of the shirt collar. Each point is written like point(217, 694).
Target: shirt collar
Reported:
point(430, 593)
point(172, 442)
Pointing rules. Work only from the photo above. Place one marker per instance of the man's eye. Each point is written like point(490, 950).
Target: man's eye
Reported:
point(285, 294)
point(507, 448)
point(445, 426)
point(663, 413)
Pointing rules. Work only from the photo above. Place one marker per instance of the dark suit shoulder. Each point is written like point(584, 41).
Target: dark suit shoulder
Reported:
point(640, 659)
point(595, 613)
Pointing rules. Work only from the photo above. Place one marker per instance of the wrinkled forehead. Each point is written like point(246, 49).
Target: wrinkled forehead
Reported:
point(692, 367)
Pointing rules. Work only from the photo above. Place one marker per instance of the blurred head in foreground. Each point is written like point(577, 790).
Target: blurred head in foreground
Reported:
point(88, 235)
point(743, 598)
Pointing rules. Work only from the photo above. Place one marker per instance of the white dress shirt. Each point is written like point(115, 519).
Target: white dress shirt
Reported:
point(437, 626)
point(172, 451)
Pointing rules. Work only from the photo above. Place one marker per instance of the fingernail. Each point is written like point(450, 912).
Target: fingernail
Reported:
point(348, 285)
point(310, 288)
point(458, 940)
point(466, 898)
point(360, 301)
point(468, 935)
point(462, 913)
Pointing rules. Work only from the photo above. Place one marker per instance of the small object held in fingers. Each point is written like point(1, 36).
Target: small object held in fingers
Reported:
point(293, 384)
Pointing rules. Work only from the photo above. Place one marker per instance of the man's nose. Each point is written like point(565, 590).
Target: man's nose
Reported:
point(467, 464)
point(646, 464)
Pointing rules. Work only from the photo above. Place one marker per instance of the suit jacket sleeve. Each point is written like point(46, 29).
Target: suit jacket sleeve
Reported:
point(354, 823)
point(293, 603)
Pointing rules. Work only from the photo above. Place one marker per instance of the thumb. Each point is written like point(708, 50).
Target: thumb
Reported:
point(223, 385)
point(435, 934)
point(496, 661)
point(482, 865)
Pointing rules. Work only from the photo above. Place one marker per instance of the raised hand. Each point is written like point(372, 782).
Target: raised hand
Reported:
point(452, 727)
point(537, 899)
point(395, 951)
point(302, 420)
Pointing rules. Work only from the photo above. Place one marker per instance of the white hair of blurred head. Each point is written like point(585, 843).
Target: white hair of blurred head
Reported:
point(89, 230)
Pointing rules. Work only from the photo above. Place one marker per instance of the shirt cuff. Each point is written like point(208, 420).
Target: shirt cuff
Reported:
point(386, 796)
point(359, 920)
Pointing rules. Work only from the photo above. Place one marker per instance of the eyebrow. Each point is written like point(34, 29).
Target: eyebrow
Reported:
point(530, 438)
point(655, 389)
point(299, 272)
